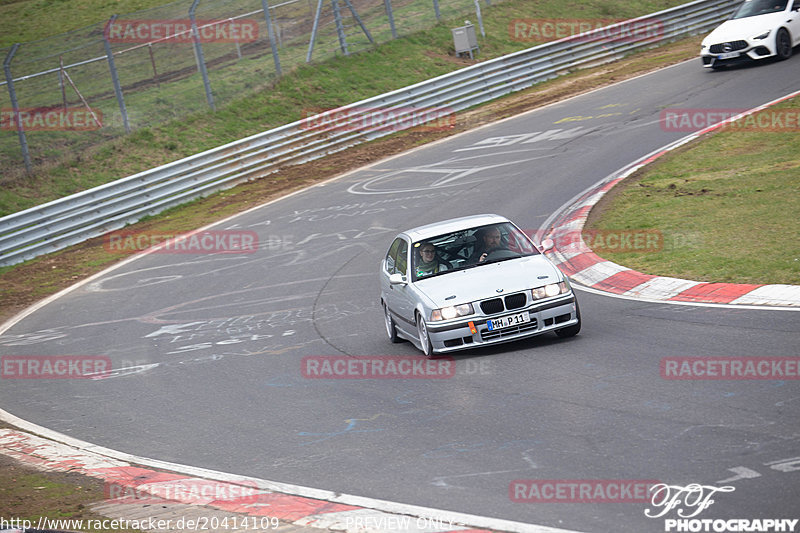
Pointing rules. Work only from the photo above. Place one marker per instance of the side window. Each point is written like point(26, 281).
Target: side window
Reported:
point(390, 256)
point(401, 262)
point(397, 258)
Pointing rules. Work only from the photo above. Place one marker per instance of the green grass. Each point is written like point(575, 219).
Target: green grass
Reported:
point(726, 205)
point(30, 20)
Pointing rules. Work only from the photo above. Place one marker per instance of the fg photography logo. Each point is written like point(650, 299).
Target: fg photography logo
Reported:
point(687, 503)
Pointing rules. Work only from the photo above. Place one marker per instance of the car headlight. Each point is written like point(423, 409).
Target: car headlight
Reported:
point(448, 313)
point(762, 36)
point(548, 291)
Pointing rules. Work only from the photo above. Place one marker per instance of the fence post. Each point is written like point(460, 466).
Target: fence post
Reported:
point(337, 15)
point(480, 18)
point(436, 10)
point(15, 105)
point(114, 77)
point(271, 35)
point(61, 81)
point(388, 5)
point(236, 41)
point(198, 49)
point(153, 63)
point(358, 20)
point(314, 28)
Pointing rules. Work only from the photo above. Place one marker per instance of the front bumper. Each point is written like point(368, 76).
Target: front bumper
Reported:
point(546, 315)
point(752, 52)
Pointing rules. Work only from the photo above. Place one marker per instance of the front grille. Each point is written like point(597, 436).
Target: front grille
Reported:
point(487, 335)
point(732, 46)
point(490, 307)
point(515, 301)
point(512, 301)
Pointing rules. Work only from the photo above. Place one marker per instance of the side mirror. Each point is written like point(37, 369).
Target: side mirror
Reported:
point(397, 279)
point(547, 244)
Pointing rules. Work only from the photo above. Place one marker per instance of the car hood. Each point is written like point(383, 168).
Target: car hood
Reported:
point(746, 28)
point(481, 282)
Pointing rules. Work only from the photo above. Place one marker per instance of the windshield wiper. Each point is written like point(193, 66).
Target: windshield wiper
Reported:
point(500, 259)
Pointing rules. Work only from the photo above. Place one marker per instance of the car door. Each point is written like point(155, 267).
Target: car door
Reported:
point(400, 298)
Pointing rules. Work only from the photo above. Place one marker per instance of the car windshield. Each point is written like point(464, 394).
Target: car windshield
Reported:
point(752, 8)
point(469, 248)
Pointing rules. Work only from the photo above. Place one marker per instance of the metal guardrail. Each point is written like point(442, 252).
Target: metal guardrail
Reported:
point(91, 213)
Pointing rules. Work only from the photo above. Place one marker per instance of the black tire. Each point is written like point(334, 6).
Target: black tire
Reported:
point(391, 330)
point(571, 331)
point(424, 339)
point(783, 44)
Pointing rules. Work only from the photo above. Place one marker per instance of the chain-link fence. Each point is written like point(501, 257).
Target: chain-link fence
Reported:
point(63, 94)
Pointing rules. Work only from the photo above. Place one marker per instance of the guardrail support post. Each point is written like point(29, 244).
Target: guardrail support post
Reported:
point(23, 141)
point(271, 35)
point(201, 62)
point(114, 77)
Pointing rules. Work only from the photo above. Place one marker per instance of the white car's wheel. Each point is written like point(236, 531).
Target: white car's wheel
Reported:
point(391, 330)
point(424, 339)
point(783, 44)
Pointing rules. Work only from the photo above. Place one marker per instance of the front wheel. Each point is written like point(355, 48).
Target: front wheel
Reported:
point(571, 331)
point(783, 44)
point(424, 339)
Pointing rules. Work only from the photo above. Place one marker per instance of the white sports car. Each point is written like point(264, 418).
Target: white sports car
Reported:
point(757, 30)
point(470, 282)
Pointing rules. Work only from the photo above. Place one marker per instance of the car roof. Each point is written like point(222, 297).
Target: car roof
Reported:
point(454, 224)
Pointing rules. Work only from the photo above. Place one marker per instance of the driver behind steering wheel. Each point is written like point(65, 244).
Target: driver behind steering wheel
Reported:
point(489, 239)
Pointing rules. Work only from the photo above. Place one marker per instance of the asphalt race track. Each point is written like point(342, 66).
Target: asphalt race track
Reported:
point(208, 349)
